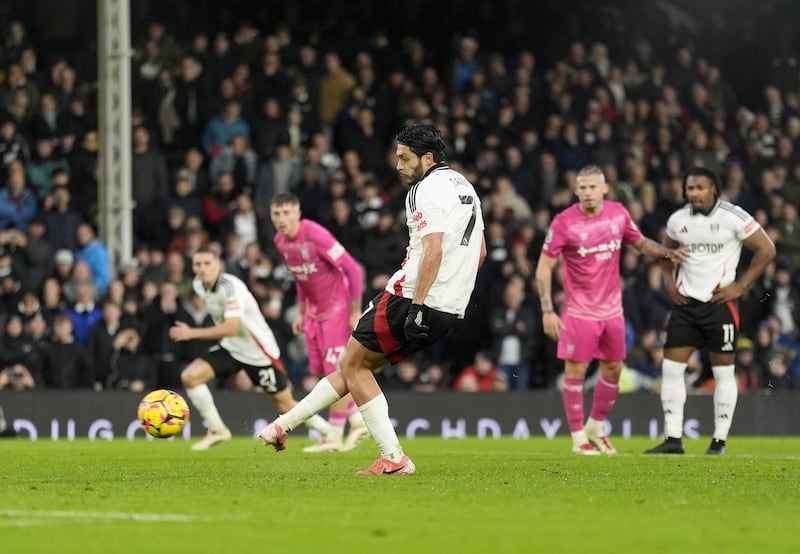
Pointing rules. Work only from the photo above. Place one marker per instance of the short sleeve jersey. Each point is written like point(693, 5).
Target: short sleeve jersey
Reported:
point(590, 249)
point(254, 344)
point(442, 202)
point(314, 258)
point(715, 246)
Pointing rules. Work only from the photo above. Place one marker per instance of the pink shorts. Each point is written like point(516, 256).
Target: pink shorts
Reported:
point(583, 340)
point(325, 342)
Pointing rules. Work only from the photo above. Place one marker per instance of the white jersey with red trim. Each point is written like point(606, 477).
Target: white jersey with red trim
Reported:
point(254, 344)
point(715, 246)
point(442, 202)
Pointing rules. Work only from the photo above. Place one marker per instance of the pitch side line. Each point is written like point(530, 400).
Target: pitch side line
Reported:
point(35, 517)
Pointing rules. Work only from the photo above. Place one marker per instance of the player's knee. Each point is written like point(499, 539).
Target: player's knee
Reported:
point(190, 377)
point(282, 400)
point(612, 370)
point(348, 362)
point(186, 379)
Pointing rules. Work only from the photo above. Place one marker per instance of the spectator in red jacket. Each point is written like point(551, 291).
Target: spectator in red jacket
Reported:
point(482, 376)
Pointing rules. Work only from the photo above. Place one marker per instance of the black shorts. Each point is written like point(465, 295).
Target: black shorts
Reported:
point(704, 324)
point(271, 378)
point(380, 327)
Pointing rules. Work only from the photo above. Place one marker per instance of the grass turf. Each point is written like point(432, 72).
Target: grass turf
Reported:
point(469, 495)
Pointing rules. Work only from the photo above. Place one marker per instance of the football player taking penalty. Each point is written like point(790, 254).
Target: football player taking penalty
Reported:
point(421, 301)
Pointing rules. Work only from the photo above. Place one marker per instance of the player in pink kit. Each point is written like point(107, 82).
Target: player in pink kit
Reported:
point(589, 237)
point(329, 289)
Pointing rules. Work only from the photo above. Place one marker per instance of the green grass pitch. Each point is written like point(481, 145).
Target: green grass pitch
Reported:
point(469, 495)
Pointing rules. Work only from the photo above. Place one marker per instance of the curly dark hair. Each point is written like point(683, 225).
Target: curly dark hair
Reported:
point(421, 139)
point(698, 171)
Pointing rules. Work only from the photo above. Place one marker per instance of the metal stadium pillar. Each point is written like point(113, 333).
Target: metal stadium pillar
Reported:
point(115, 210)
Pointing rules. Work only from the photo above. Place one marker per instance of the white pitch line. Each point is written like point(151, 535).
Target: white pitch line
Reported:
point(35, 515)
point(23, 522)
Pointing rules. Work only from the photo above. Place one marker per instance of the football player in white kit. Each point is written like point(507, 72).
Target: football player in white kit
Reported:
point(704, 290)
point(245, 342)
point(420, 303)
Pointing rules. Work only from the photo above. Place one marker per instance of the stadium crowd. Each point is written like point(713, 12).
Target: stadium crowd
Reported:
point(226, 117)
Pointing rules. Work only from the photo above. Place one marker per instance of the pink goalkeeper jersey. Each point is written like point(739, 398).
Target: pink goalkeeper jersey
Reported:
point(313, 257)
point(590, 248)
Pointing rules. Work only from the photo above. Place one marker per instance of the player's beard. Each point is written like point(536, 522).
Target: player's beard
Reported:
point(416, 176)
point(703, 207)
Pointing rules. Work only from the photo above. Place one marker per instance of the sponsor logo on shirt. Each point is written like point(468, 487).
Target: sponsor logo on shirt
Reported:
point(705, 247)
point(420, 221)
point(336, 251)
point(606, 247)
point(303, 270)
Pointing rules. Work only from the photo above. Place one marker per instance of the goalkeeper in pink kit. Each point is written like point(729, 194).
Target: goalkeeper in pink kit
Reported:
point(589, 237)
point(329, 289)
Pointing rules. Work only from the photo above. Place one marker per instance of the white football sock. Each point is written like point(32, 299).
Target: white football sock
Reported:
point(376, 417)
point(593, 427)
point(726, 393)
point(203, 400)
point(579, 438)
point(336, 434)
point(318, 423)
point(356, 419)
point(673, 397)
point(321, 396)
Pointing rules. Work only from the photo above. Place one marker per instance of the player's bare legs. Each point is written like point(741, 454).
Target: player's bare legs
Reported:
point(340, 413)
point(357, 366)
point(334, 386)
point(355, 375)
point(195, 378)
point(327, 391)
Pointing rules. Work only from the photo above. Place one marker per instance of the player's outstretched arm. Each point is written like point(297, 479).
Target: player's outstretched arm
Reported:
point(181, 332)
point(674, 252)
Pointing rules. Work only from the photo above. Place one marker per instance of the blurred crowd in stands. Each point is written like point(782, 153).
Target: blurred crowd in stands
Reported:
point(224, 118)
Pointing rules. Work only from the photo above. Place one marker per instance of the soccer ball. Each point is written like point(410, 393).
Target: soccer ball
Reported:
point(163, 413)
